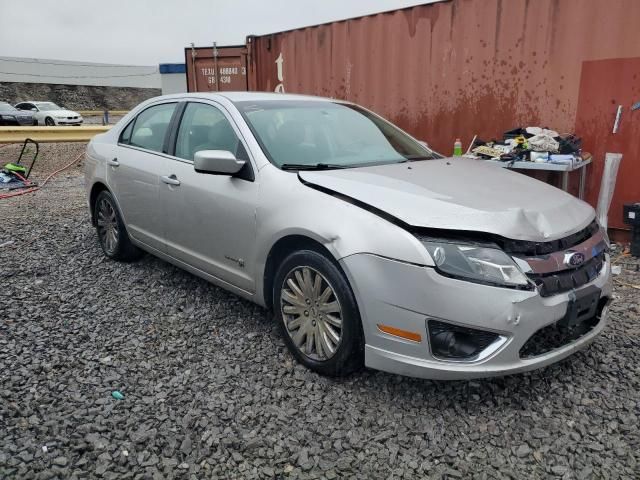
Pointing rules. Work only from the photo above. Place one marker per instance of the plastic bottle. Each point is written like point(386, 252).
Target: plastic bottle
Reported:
point(457, 148)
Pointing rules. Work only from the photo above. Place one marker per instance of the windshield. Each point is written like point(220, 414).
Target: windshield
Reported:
point(304, 134)
point(4, 106)
point(46, 106)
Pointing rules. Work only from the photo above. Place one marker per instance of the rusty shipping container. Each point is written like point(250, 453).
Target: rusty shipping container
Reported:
point(464, 67)
point(212, 69)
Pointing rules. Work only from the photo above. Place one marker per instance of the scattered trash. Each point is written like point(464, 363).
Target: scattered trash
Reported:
point(105, 360)
point(534, 144)
point(125, 453)
point(7, 243)
point(45, 449)
point(631, 285)
point(117, 395)
point(616, 269)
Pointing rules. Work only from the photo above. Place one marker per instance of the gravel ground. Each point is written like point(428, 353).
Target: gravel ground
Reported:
point(210, 390)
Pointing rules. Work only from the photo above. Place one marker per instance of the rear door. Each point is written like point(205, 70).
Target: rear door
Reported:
point(210, 219)
point(134, 173)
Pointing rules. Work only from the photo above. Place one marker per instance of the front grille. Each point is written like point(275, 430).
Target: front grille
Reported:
point(555, 336)
point(533, 249)
point(565, 280)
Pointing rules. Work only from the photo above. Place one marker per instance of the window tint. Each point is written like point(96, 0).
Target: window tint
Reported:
point(151, 126)
point(125, 136)
point(204, 127)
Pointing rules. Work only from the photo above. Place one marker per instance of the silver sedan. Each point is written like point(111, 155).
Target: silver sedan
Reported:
point(368, 247)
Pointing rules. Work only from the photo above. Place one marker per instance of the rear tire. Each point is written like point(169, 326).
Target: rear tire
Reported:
point(112, 233)
point(317, 314)
point(49, 122)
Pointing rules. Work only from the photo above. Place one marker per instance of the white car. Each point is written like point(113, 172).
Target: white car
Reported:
point(50, 114)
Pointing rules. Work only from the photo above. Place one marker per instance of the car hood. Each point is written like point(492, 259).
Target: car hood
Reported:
point(62, 113)
point(460, 194)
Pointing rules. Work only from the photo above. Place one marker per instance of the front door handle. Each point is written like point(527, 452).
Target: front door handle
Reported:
point(113, 163)
point(170, 180)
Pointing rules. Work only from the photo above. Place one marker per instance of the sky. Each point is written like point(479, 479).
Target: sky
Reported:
point(149, 32)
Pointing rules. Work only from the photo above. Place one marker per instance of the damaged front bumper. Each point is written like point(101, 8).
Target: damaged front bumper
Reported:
point(394, 296)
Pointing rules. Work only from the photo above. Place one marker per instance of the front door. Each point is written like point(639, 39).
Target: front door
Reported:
point(604, 86)
point(210, 219)
point(134, 173)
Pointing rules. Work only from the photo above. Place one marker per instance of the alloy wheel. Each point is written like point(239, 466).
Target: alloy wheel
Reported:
point(108, 229)
point(312, 313)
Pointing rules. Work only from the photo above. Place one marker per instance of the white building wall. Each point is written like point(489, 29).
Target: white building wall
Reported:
point(173, 83)
point(33, 70)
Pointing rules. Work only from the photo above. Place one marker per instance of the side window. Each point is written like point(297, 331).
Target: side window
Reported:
point(125, 136)
point(150, 127)
point(204, 127)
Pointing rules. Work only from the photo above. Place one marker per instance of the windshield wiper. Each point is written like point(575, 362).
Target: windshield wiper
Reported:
point(311, 166)
point(416, 158)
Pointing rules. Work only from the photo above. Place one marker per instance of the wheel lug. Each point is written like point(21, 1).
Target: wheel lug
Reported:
point(313, 323)
point(306, 313)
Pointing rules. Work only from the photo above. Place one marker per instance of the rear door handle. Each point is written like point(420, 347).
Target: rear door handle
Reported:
point(113, 163)
point(170, 180)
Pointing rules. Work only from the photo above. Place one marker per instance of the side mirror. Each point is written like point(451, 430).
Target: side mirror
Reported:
point(34, 109)
point(217, 162)
point(424, 144)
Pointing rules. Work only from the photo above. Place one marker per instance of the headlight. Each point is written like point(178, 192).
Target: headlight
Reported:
point(476, 263)
point(8, 117)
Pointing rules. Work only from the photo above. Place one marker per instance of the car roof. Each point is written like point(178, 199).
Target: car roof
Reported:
point(252, 96)
point(35, 103)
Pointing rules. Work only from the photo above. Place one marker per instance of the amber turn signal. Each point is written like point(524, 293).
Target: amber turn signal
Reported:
point(397, 332)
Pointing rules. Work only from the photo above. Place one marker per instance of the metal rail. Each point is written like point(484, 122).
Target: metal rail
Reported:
point(51, 134)
point(94, 113)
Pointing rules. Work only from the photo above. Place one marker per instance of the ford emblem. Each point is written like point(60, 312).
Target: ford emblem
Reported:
point(573, 259)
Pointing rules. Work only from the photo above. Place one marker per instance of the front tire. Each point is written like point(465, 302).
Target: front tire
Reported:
point(49, 122)
point(317, 314)
point(112, 233)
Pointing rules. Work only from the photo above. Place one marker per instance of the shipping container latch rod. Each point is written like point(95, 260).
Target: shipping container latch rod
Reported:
point(215, 66)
